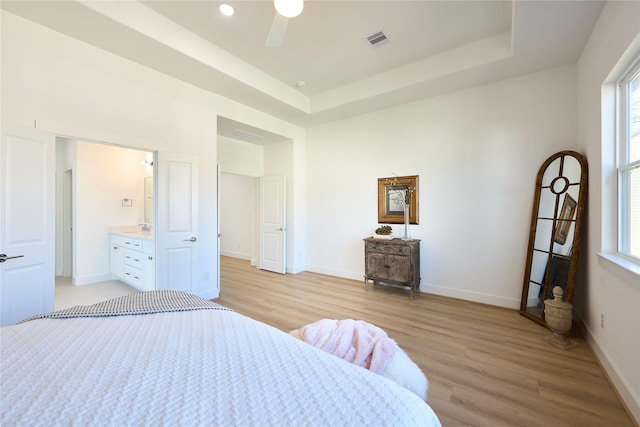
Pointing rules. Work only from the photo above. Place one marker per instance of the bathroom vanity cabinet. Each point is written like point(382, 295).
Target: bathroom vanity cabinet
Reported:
point(133, 261)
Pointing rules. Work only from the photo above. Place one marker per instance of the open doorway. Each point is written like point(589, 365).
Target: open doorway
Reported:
point(100, 186)
point(238, 226)
point(245, 154)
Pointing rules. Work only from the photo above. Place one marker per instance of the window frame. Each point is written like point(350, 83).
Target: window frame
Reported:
point(624, 165)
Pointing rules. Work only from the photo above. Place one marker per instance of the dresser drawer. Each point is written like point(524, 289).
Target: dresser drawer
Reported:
point(388, 249)
point(133, 258)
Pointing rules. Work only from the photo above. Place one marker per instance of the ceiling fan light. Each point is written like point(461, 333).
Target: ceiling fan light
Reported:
point(289, 8)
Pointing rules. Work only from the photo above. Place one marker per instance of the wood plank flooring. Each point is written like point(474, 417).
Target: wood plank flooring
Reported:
point(487, 366)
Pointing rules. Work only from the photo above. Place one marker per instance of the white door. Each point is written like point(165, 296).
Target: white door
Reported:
point(27, 223)
point(177, 226)
point(272, 246)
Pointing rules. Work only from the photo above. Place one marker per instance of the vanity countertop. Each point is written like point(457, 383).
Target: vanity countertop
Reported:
point(132, 231)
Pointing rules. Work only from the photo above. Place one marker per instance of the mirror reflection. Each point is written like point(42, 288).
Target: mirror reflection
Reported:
point(556, 219)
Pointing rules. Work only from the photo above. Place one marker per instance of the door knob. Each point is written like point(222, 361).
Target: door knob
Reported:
point(4, 257)
point(193, 239)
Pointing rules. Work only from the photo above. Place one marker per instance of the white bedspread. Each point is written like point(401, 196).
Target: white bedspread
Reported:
point(191, 368)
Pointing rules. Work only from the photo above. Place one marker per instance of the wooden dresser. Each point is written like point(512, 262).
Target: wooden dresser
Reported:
point(393, 262)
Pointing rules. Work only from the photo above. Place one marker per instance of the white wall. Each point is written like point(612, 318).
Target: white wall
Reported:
point(608, 289)
point(240, 158)
point(238, 213)
point(477, 153)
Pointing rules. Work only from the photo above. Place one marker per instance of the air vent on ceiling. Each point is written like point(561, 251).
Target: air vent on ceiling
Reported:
point(377, 39)
point(244, 135)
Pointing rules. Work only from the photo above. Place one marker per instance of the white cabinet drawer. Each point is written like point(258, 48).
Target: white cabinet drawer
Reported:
point(133, 258)
point(133, 244)
point(133, 275)
point(126, 242)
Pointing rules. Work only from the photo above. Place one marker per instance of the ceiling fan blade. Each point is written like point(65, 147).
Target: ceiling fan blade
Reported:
point(278, 29)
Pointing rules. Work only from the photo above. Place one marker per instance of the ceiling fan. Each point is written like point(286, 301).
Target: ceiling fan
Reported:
point(285, 9)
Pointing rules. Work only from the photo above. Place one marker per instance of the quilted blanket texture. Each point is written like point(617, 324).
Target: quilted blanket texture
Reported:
point(187, 368)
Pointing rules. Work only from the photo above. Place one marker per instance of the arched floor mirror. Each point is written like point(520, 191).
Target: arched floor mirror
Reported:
point(554, 239)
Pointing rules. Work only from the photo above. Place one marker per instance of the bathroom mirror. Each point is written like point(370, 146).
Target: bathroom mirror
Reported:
point(148, 199)
point(554, 239)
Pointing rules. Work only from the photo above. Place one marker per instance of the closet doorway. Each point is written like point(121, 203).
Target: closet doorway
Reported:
point(245, 154)
point(238, 216)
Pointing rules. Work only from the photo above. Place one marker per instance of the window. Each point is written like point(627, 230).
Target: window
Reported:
point(629, 163)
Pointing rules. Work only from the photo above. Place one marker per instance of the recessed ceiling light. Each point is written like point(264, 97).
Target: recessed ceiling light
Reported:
point(226, 9)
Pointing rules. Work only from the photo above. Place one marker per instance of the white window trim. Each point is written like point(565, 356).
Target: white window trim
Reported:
point(611, 196)
point(622, 163)
point(621, 262)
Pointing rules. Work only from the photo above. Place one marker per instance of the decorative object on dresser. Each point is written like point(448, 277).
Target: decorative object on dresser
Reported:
point(393, 262)
point(398, 201)
point(555, 231)
point(383, 232)
point(559, 316)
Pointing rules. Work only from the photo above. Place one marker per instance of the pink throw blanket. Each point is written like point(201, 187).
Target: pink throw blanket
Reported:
point(355, 341)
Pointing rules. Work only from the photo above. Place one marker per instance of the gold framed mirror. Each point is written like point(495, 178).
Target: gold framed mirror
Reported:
point(554, 238)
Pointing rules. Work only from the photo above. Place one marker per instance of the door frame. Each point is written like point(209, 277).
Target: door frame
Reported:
point(68, 209)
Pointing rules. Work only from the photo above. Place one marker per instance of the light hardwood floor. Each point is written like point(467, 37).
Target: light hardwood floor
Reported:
point(487, 366)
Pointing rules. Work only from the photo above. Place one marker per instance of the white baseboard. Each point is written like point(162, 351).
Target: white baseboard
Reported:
point(337, 273)
point(471, 296)
point(238, 255)
point(209, 295)
point(630, 400)
point(295, 269)
point(93, 278)
point(432, 289)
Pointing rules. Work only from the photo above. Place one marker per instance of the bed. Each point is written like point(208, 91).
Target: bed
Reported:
point(169, 358)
